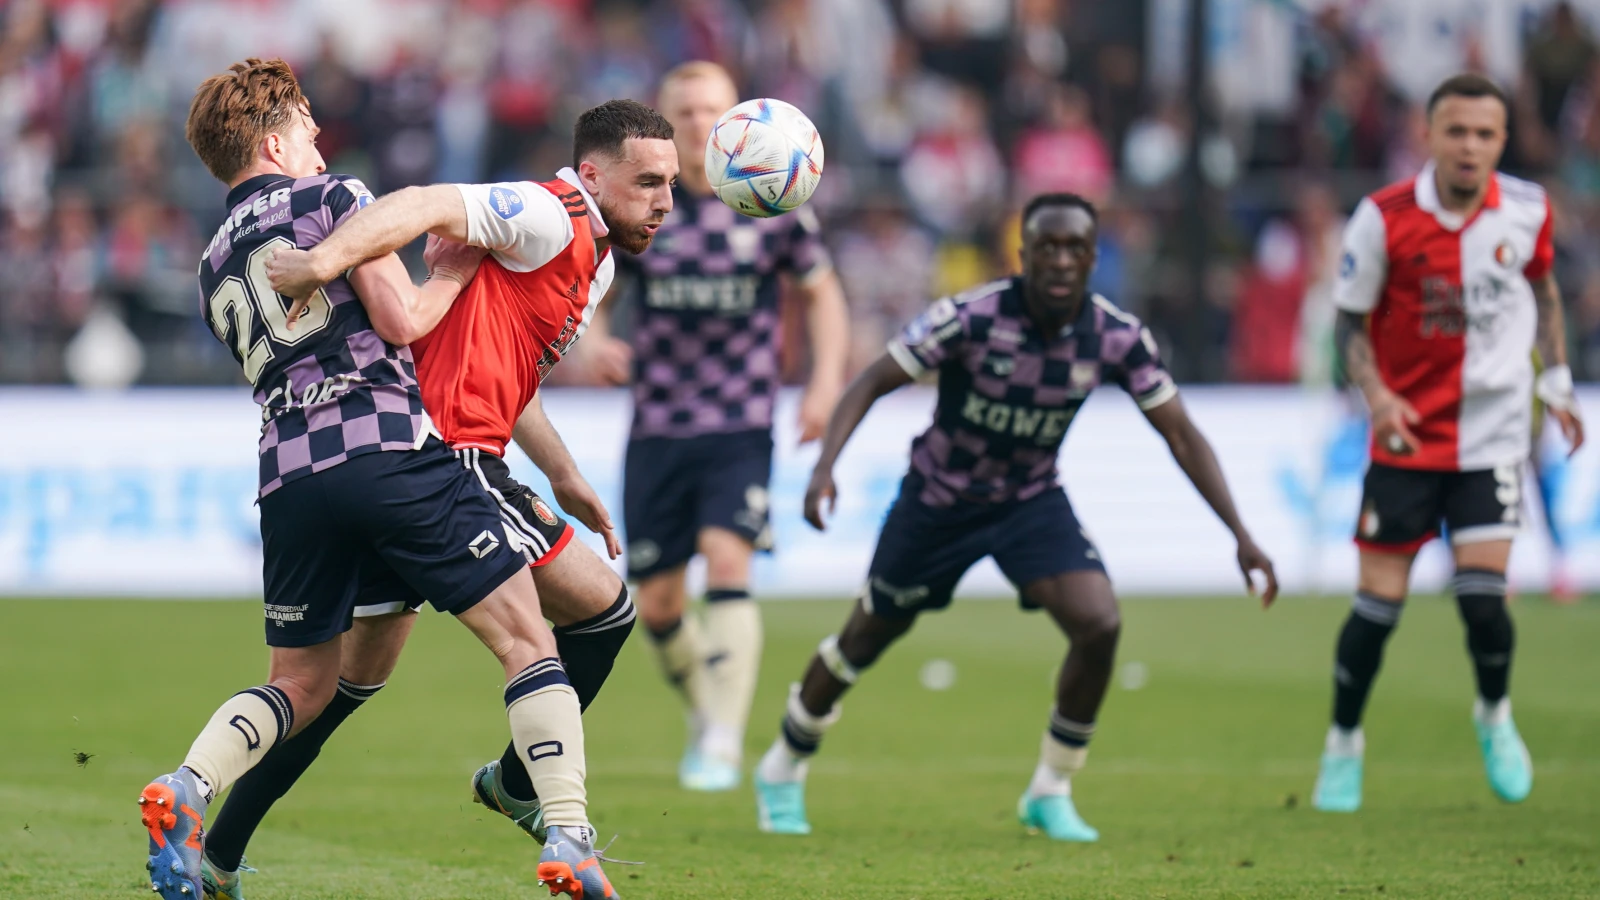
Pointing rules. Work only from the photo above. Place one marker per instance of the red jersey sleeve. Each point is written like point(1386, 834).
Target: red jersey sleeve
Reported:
point(1544, 248)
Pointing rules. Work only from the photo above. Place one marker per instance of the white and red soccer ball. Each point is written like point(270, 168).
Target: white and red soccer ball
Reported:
point(764, 158)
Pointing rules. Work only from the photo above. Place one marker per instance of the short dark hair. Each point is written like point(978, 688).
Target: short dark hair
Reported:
point(1468, 84)
point(1041, 201)
point(606, 127)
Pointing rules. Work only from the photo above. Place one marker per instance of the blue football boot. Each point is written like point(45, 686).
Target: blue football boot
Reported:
point(488, 790)
point(1505, 759)
point(570, 867)
point(172, 809)
point(1056, 816)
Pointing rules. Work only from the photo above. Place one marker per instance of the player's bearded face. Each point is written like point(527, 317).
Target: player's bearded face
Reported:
point(634, 191)
point(1466, 136)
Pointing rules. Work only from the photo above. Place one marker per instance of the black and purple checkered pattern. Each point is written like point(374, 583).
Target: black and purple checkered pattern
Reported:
point(1007, 393)
point(705, 336)
point(330, 388)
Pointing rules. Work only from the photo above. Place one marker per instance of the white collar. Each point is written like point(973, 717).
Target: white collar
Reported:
point(1427, 194)
point(597, 225)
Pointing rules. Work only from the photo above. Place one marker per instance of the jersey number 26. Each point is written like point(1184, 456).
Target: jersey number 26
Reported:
point(240, 303)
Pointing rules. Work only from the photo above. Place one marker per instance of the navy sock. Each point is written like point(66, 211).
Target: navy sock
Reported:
point(271, 778)
point(1359, 654)
point(1491, 637)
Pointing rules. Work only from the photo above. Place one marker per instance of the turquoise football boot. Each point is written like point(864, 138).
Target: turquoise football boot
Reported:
point(217, 884)
point(1338, 783)
point(1505, 759)
point(1056, 816)
point(705, 772)
point(781, 806)
point(489, 790)
point(172, 809)
point(570, 867)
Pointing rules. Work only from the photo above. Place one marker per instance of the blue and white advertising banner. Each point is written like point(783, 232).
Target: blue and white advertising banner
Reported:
point(151, 493)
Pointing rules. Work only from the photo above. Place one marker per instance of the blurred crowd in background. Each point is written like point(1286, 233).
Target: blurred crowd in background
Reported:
point(940, 118)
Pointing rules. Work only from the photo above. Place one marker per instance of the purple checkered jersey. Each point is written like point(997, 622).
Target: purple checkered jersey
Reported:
point(329, 388)
point(1007, 392)
point(705, 333)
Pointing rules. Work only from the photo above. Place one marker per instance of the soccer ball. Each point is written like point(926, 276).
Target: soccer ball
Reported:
point(764, 158)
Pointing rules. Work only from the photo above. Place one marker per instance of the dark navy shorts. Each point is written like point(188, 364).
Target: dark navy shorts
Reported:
point(418, 514)
point(533, 527)
point(1403, 509)
point(673, 487)
point(924, 550)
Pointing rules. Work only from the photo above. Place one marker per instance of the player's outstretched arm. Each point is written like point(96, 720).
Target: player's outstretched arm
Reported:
point(1198, 461)
point(828, 326)
point(1554, 385)
point(882, 377)
point(377, 230)
point(402, 312)
point(538, 438)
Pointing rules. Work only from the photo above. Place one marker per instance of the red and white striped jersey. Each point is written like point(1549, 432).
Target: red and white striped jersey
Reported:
point(1452, 314)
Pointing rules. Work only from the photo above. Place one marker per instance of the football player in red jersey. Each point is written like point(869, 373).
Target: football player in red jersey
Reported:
point(548, 266)
point(1445, 290)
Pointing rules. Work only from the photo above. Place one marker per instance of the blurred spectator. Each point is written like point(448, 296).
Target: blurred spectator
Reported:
point(953, 173)
point(958, 110)
point(885, 262)
point(1064, 152)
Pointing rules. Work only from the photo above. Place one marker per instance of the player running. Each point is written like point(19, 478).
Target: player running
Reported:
point(1016, 359)
point(474, 372)
point(354, 480)
point(1444, 290)
point(704, 367)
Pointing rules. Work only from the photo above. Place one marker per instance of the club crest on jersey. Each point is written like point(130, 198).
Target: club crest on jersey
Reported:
point(506, 202)
point(1505, 255)
point(544, 512)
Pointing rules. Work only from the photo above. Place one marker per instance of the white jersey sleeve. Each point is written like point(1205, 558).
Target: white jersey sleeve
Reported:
point(1364, 261)
point(522, 223)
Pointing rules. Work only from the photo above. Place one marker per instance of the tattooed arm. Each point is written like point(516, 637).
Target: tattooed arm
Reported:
point(1554, 385)
point(1392, 416)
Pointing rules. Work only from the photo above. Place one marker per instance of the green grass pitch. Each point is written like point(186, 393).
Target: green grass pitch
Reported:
point(1198, 780)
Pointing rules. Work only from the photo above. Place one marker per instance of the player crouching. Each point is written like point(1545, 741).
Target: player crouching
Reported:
point(1016, 359)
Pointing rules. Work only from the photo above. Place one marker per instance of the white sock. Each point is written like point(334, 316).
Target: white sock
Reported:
point(781, 764)
point(797, 742)
point(239, 734)
point(732, 656)
point(1491, 713)
point(547, 728)
point(1345, 743)
point(1058, 762)
point(679, 654)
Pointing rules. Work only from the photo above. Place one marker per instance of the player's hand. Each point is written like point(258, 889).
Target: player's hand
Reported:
point(815, 409)
point(1571, 428)
point(820, 490)
point(578, 499)
point(453, 260)
point(1392, 418)
point(293, 273)
point(612, 361)
point(1251, 560)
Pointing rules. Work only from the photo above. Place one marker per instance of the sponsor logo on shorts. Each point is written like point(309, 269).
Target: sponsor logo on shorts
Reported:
point(543, 511)
point(280, 614)
point(484, 544)
point(753, 518)
point(643, 554)
point(903, 597)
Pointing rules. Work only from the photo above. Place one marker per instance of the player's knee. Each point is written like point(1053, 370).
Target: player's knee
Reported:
point(309, 694)
point(1098, 634)
point(727, 561)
